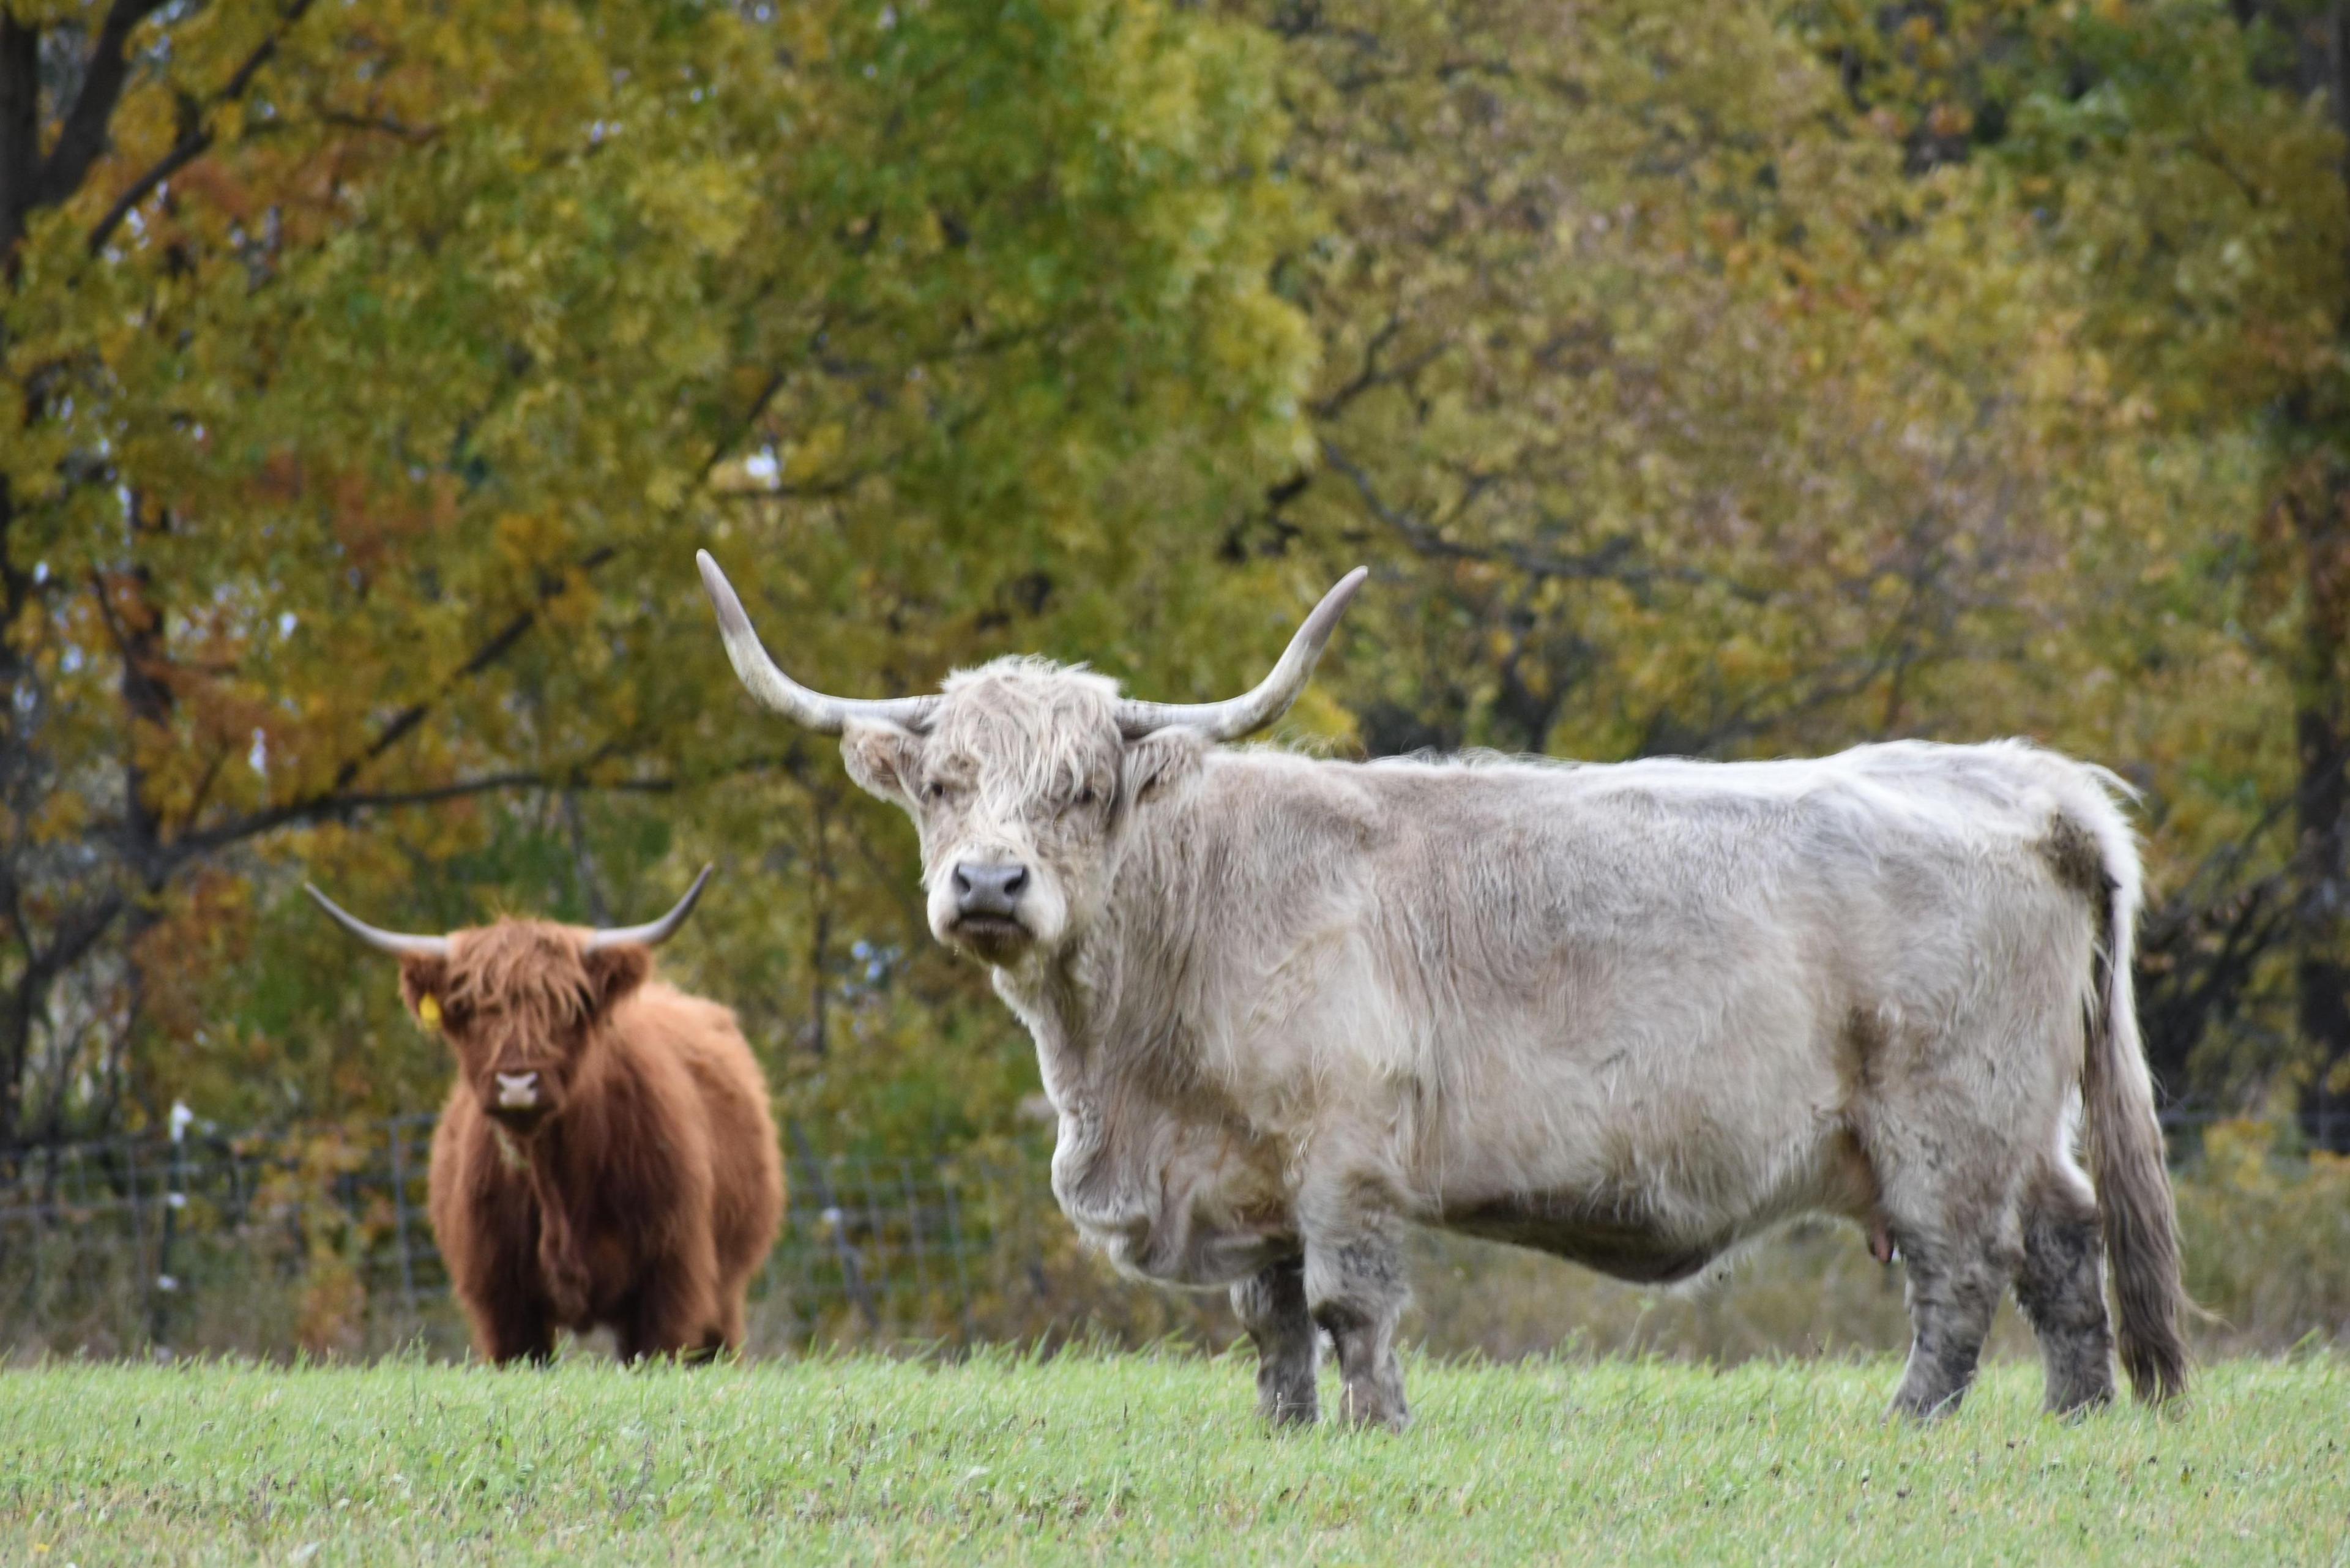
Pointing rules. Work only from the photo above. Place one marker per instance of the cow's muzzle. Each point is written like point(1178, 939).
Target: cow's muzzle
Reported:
point(987, 905)
point(521, 1099)
point(988, 889)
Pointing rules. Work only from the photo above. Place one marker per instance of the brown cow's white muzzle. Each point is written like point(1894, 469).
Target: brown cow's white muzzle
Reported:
point(518, 1092)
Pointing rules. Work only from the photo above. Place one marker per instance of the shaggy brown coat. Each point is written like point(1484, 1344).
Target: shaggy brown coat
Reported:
point(640, 1187)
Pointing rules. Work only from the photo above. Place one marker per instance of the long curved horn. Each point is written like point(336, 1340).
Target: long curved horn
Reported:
point(659, 930)
point(826, 715)
point(384, 942)
point(1251, 711)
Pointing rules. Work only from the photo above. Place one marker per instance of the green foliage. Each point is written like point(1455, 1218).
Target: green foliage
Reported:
point(1725, 379)
point(360, 469)
point(1000, 1459)
point(2264, 1237)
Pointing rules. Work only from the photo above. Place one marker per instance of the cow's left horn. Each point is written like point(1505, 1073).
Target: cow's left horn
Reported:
point(767, 682)
point(384, 942)
point(1242, 715)
point(659, 930)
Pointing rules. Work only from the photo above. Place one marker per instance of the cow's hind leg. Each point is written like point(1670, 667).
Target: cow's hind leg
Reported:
point(1956, 1124)
point(2061, 1289)
point(1355, 1289)
point(1954, 1290)
point(1271, 1305)
point(1951, 1209)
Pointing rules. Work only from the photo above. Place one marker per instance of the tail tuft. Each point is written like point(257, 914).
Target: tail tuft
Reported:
point(2134, 1204)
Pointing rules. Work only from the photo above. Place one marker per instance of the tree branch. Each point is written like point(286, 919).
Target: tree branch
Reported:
point(408, 719)
point(500, 644)
point(193, 144)
point(381, 125)
point(84, 134)
point(334, 798)
point(727, 443)
point(326, 808)
point(1612, 562)
point(74, 937)
point(336, 807)
point(28, 999)
point(195, 138)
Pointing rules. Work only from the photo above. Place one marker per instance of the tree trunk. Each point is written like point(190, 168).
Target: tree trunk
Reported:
point(2321, 521)
point(20, 129)
point(18, 1011)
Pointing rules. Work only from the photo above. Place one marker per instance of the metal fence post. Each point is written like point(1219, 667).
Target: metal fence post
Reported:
point(955, 1250)
point(879, 1232)
point(175, 1197)
point(400, 1217)
point(852, 1274)
point(140, 1260)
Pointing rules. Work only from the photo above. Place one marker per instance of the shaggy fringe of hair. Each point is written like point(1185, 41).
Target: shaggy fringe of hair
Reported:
point(530, 967)
point(1053, 708)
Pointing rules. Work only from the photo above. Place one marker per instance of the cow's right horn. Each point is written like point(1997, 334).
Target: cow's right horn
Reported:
point(656, 933)
point(826, 715)
point(384, 942)
point(1251, 711)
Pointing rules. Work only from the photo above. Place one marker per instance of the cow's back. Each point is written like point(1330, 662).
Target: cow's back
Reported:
point(1878, 878)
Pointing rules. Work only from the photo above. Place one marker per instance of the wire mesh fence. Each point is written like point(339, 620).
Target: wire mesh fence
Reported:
point(317, 1239)
point(320, 1240)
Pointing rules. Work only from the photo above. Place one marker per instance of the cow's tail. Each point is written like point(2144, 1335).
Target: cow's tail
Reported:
point(2135, 1205)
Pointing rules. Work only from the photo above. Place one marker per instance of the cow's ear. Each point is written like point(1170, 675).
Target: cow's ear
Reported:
point(883, 759)
point(613, 972)
point(424, 981)
point(1161, 763)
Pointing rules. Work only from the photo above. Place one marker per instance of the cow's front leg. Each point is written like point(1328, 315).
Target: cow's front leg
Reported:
point(1354, 1288)
point(510, 1321)
point(1272, 1306)
point(673, 1310)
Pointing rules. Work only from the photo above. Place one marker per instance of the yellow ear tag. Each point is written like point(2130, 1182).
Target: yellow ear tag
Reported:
point(427, 1012)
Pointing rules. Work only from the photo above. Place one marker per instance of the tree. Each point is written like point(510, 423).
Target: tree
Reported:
point(1726, 379)
point(371, 374)
point(1702, 425)
point(2185, 163)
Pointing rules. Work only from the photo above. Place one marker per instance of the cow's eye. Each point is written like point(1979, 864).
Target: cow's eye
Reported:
point(1084, 799)
point(933, 792)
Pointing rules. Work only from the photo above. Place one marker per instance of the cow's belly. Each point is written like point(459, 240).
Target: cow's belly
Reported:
point(1567, 1225)
point(1205, 1212)
point(1653, 1231)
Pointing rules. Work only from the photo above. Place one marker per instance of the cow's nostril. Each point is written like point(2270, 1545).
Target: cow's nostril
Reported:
point(988, 889)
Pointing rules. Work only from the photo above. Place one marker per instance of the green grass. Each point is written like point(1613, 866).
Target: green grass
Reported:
point(1151, 1458)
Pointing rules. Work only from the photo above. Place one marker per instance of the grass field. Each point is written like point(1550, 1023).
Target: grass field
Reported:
point(1151, 1458)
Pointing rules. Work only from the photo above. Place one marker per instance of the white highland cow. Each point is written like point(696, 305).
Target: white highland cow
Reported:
point(1633, 1015)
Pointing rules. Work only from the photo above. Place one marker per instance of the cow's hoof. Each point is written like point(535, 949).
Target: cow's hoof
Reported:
point(1925, 1411)
point(1377, 1413)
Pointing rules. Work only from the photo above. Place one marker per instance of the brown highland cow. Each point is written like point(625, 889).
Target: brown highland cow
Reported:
point(606, 1156)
